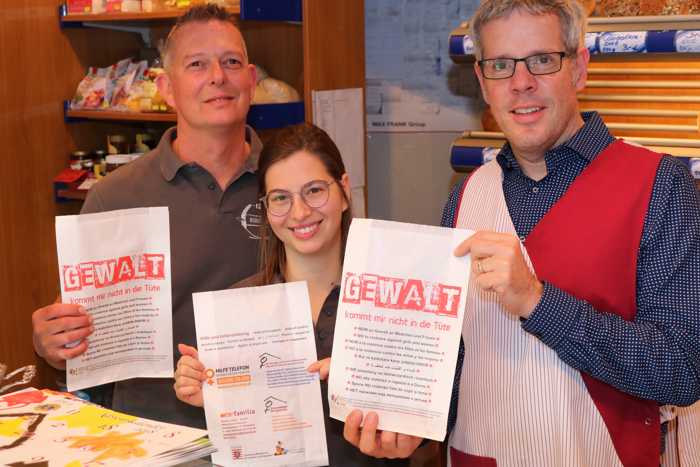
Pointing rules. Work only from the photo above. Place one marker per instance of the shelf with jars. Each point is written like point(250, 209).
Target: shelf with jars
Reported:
point(289, 40)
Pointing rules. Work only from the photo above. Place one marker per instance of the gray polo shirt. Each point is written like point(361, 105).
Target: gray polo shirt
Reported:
point(213, 243)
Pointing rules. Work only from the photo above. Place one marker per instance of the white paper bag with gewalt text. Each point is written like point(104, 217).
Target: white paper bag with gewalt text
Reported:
point(400, 313)
point(117, 265)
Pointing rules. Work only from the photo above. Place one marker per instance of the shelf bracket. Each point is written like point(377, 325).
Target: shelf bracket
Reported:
point(145, 32)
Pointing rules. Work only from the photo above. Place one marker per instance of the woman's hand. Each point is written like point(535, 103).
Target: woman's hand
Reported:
point(189, 376)
point(322, 367)
point(377, 443)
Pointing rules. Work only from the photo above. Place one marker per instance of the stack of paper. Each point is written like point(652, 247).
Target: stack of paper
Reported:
point(43, 427)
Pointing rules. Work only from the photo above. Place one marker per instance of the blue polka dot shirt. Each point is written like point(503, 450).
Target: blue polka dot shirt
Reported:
point(656, 356)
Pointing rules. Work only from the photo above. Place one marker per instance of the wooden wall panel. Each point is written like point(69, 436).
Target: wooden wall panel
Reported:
point(40, 68)
point(334, 45)
point(277, 47)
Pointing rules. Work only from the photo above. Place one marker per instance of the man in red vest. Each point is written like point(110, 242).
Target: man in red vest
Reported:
point(582, 327)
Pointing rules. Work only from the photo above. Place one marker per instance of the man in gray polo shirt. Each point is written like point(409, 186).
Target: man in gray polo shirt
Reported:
point(204, 172)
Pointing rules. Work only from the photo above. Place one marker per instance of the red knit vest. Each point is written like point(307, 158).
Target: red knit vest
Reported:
point(587, 245)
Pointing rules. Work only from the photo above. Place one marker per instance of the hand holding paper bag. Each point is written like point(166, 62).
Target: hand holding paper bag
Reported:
point(55, 327)
point(189, 376)
point(498, 265)
point(322, 367)
point(378, 443)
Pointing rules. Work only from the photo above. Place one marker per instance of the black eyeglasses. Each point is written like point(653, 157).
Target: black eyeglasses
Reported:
point(537, 64)
point(314, 194)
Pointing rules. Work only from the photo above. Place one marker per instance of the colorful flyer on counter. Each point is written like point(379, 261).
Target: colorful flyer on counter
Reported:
point(117, 265)
point(43, 428)
point(262, 407)
point(399, 321)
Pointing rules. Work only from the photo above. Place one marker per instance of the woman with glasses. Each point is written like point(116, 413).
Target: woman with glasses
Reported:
point(306, 194)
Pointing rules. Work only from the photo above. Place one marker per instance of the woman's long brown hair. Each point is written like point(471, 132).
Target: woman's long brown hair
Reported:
point(315, 141)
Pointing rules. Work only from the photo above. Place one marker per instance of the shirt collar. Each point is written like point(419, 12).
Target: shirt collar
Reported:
point(170, 162)
point(587, 143)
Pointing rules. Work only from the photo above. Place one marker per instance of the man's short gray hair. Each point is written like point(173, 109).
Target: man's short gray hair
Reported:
point(196, 14)
point(572, 20)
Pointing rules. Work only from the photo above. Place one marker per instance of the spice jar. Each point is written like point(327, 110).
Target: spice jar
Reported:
point(100, 164)
point(114, 161)
point(77, 158)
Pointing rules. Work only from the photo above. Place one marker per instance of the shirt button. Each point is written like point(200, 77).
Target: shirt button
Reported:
point(648, 421)
point(211, 186)
point(535, 189)
point(522, 238)
point(322, 334)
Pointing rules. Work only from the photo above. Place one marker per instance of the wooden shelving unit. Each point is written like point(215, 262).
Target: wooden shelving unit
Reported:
point(313, 45)
point(136, 16)
point(122, 116)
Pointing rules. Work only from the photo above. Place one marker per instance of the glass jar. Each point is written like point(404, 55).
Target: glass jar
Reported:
point(114, 161)
point(116, 144)
point(77, 159)
point(99, 167)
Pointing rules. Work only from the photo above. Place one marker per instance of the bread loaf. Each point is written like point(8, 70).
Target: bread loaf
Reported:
point(618, 8)
point(652, 7)
point(681, 7)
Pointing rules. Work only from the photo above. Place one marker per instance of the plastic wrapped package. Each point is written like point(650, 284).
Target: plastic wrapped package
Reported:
point(131, 6)
point(272, 91)
point(123, 85)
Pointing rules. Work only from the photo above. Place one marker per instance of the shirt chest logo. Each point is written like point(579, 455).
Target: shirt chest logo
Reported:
point(251, 219)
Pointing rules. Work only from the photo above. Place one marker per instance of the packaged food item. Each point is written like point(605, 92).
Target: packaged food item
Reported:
point(144, 95)
point(123, 84)
point(79, 6)
point(157, 5)
point(95, 90)
point(188, 3)
point(91, 90)
point(274, 91)
point(269, 90)
point(122, 5)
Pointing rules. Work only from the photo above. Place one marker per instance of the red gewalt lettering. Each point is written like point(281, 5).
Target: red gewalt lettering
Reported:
point(403, 294)
point(411, 297)
point(369, 287)
point(388, 292)
point(87, 274)
point(125, 269)
point(449, 300)
point(351, 288)
point(71, 278)
point(155, 266)
point(107, 272)
point(104, 272)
